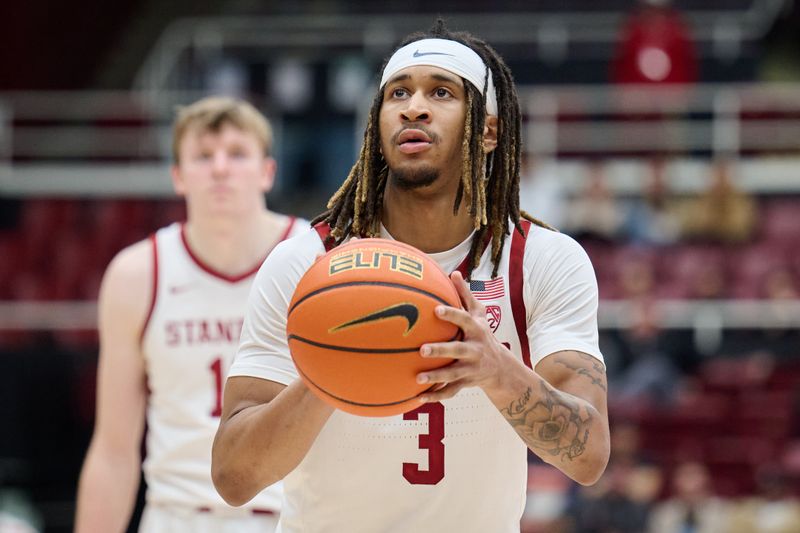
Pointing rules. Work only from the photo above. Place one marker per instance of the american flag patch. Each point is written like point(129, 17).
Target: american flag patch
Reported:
point(490, 289)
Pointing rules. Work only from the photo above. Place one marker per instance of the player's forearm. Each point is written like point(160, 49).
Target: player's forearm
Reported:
point(107, 491)
point(562, 429)
point(261, 444)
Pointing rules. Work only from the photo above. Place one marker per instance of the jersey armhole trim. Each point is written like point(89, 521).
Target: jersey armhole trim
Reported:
point(288, 231)
point(516, 287)
point(283, 237)
point(154, 295)
point(323, 229)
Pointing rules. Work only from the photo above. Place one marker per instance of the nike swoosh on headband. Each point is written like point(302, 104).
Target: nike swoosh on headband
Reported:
point(417, 53)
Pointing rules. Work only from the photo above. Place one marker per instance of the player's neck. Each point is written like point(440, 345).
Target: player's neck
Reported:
point(234, 246)
point(426, 222)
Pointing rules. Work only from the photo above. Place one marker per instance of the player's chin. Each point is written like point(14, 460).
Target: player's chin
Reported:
point(413, 175)
point(227, 201)
point(224, 209)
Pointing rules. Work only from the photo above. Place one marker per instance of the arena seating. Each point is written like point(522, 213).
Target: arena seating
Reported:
point(677, 269)
point(83, 235)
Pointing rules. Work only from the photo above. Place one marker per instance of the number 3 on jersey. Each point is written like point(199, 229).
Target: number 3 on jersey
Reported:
point(431, 441)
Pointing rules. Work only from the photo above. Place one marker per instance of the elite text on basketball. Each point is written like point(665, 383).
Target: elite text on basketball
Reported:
point(372, 259)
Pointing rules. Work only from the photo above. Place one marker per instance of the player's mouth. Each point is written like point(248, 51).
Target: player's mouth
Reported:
point(412, 141)
point(221, 189)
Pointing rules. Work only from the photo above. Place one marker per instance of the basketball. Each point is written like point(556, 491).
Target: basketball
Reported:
point(357, 320)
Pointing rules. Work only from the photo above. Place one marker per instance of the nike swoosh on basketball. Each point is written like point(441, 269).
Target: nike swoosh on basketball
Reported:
point(417, 53)
point(404, 310)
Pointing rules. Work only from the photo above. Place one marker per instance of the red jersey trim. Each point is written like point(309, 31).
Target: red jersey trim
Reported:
point(154, 296)
point(289, 226)
point(516, 289)
point(225, 277)
point(323, 229)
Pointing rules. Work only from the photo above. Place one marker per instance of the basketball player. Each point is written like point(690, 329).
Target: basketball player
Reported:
point(439, 169)
point(170, 313)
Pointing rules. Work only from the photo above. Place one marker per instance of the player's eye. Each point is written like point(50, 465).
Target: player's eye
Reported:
point(441, 92)
point(399, 93)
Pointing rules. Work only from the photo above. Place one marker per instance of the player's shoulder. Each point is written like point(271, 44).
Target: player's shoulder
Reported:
point(138, 259)
point(545, 245)
point(302, 240)
point(294, 253)
point(539, 236)
point(133, 261)
point(296, 226)
point(128, 280)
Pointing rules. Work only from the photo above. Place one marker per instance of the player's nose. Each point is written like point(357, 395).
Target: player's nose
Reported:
point(220, 164)
point(417, 108)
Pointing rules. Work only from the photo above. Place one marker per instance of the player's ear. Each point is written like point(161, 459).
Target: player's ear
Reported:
point(490, 133)
point(177, 180)
point(268, 169)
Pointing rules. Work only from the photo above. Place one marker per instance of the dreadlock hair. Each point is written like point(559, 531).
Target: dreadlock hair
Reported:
point(489, 183)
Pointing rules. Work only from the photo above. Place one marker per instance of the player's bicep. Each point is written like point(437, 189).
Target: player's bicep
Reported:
point(562, 302)
point(242, 392)
point(578, 374)
point(124, 300)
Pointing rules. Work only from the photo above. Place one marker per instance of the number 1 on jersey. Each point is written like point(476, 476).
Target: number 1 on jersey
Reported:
point(216, 370)
point(431, 441)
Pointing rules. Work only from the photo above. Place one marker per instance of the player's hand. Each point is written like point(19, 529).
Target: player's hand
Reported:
point(479, 359)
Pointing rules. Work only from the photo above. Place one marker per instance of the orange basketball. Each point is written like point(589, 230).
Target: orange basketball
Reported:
point(357, 320)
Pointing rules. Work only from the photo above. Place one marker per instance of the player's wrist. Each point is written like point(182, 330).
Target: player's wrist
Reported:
point(509, 379)
point(310, 400)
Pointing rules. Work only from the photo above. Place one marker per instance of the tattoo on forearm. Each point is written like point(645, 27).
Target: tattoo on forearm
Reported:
point(556, 424)
point(596, 374)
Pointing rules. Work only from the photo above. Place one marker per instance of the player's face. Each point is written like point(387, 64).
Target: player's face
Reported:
point(422, 125)
point(222, 171)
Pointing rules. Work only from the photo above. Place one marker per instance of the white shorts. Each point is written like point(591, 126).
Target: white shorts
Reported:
point(158, 518)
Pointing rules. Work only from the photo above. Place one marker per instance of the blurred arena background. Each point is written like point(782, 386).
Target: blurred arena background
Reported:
point(664, 136)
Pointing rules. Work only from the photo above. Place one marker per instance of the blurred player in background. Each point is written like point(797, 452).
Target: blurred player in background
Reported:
point(439, 169)
point(170, 313)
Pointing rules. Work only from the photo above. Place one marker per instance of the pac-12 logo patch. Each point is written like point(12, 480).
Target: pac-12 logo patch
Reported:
point(493, 315)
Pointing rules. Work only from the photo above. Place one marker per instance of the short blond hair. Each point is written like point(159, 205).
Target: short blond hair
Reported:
point(213, 112)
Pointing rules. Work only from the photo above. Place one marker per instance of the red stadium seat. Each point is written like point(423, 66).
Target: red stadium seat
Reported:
point(750, 265)
point(695, 272)
point(780, 222)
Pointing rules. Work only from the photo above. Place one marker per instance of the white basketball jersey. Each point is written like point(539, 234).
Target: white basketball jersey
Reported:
point(453, 466)
point(188, 344)
point(460, 461)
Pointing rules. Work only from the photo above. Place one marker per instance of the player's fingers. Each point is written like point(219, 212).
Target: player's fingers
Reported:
point(461, 318)
point(445, 374)
point(453, 349)
point(469, 301)
point(443, 393)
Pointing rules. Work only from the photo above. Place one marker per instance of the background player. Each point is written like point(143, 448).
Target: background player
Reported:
point(439, 169)
point(170, 313)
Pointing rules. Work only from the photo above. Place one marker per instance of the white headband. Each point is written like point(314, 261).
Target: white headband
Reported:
point(448, 55)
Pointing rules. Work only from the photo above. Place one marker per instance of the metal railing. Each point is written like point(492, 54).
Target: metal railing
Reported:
point(707, 118)
point(87, 143)
point(319, 36)
point(117, 143)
